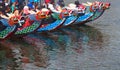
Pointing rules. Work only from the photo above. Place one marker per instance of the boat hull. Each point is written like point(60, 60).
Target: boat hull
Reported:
point(33, 27)
point(96, 15)
point(83, 18)
point(56, 24)
point(7, 32)
point(70, 20)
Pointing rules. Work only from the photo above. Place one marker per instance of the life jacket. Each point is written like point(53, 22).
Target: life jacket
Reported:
point(81, 8)
point(47, 1)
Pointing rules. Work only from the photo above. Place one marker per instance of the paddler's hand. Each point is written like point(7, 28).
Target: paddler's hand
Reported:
point(37, 10)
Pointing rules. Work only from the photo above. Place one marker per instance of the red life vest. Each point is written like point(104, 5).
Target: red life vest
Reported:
point(47, 1)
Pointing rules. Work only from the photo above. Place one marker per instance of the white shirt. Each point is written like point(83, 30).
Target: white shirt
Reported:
point(51, 7)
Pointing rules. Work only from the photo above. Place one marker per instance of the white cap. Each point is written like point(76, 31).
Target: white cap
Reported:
point(44, 9)
point(26, 7)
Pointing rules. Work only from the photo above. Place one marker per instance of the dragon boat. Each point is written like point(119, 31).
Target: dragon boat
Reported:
point(46, 21)
point(76, 15)
point(70, 17)
point(53, 21)
point(83, 16)
point(98, 8)
point(27, 26)
point(79, 14)
point(92, 11)
point(29, 23)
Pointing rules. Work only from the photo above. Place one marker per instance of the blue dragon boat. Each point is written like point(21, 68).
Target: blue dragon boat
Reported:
point(46, 22)
point(51, 25)
point(53, 21)
point(98, 8)
point(28, 27)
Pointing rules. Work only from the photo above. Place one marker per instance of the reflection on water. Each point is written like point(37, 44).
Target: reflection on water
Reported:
point(43, 49)
point(5, 57)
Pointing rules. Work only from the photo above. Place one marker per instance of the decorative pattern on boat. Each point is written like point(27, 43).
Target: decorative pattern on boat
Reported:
point(7, 31)
point(29, 29)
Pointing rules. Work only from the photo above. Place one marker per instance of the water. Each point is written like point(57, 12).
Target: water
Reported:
point(55, 46)
point(91, 47)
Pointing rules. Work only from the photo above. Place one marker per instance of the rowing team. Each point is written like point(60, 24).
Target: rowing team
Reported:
point(51, 8)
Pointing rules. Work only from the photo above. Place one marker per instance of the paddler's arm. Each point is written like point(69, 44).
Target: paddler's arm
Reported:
point(37, 10)
point(3, 16)
point(21, 12)
point(9, 14)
